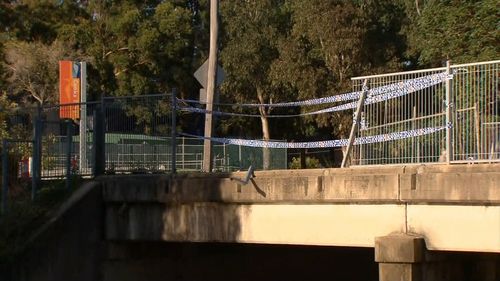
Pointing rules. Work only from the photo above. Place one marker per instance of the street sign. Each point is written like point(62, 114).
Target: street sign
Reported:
point(202, 74)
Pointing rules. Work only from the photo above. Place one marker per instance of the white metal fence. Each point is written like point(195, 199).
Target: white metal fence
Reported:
point(473, 116)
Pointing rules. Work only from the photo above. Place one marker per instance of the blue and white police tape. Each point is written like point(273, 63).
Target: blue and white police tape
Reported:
point(351, 105)
point(410, 85)
point(327, 143)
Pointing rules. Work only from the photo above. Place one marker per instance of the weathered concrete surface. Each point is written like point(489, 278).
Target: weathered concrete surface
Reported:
point(400, 257)
point(467, 184)
point(399, 248)
point(405, 257)
point(335, 207)
point(399, 272)
point(69, 245)
point(330, 225)
point(456, 227)
point(457, 184)
point(454, 208)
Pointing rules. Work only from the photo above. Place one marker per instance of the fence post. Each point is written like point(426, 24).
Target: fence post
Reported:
point(99, 141)
point(174, 129)
point(69, 148)
point(449, 105)
point(355, 124)
point(36, 163)
point(5, 175)
point(82, 150)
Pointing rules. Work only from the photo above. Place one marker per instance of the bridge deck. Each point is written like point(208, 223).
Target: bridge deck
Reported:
point(454, 207)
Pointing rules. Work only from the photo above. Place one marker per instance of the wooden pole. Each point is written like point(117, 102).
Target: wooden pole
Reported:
point(211, 79)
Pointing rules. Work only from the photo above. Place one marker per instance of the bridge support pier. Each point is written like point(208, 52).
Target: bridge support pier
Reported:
point(400, 257)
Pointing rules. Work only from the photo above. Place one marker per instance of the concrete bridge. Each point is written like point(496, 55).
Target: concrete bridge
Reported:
point(422, 221)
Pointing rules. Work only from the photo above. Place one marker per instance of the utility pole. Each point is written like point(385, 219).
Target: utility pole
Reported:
point(211, 80)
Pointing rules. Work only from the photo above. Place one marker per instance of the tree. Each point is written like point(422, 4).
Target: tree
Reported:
point(136, 48)
point(5, 107)
point(250, 33)
point(302, 49)
point(331, 41)
point(463, 31)
point(36, 20)
point(28, 30)
point(33, 70)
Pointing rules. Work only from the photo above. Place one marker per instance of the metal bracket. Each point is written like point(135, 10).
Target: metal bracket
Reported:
point(250, 175)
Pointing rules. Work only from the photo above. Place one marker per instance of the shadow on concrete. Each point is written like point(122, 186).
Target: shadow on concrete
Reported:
point(175, 230)
point(197, 210)
point(244, 262)
point(187, 207)
point(462, 266)
point(258, 189)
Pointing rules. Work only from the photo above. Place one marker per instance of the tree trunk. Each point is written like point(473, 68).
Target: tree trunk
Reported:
point(266, 135)
point(266, 152)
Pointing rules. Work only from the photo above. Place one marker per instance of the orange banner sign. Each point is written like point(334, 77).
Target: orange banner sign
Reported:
point(69, 89)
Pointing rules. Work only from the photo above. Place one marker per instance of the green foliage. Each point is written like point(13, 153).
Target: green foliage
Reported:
point(5, 108)
point(33, 70)
point(25, 216)
point(271, 50)
point(289, 50)
point(250, 32)
point(136, 48)
point(14, 228)
point(463, 31)
point(311, 163)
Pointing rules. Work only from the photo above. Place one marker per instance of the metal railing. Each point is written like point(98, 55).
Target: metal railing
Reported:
point(138, 133)
point(469, 104)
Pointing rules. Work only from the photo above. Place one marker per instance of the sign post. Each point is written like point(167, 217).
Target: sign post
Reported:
point(72, 100)
point(83, 119)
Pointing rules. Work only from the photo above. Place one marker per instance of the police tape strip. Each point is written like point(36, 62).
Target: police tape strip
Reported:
point(410, 85)
point(374, 97)
point(327, 143)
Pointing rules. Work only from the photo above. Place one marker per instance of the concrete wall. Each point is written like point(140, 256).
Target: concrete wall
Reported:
point(334, 207)
point(69, 245)
point(456, 227)
point(125, 230)
point(450, 184)
point(405, 257)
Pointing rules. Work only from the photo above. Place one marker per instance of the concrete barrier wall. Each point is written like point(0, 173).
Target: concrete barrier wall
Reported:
point(450, 184)
point(338, 207)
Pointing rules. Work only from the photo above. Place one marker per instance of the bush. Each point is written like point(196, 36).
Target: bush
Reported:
point(25, 216)
point(311, 163)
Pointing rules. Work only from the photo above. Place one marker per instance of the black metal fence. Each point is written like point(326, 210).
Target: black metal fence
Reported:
point(114, 135)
